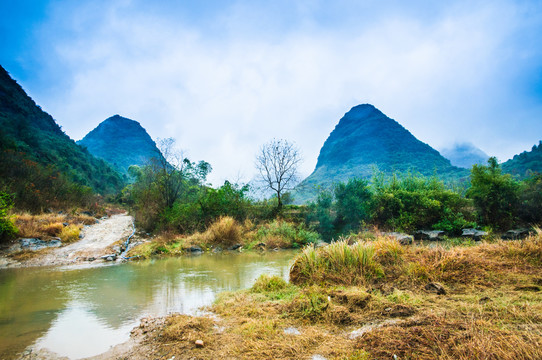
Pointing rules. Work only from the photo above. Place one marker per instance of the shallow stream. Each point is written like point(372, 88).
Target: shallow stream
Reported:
point(82, 311)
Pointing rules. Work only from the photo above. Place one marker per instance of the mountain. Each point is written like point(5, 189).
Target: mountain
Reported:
point(28, 133)
point(121, 142)
point(365, 139)
point(464, 155)
point(526, 163)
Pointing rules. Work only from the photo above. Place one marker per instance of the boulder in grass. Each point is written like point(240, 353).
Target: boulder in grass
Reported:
point(432, 235)
point(403, 239)
point(473, 234)
point(516, 234)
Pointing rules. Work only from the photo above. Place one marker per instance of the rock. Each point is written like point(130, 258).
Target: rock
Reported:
point(86, 213)
point(435, 288)
point(404, 239)
point(35, 244)
point(65, 224)
point(91, 259)
point(217, 249)
point(110, 257)
point(235, 247)
point(473, 234)
point(516, 234)
point(433, 235)
point(292, 331)
point(199, 343)
point(194, 249)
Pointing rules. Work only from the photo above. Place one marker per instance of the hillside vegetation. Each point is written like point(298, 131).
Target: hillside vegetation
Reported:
point(121, 142)
point(34, 149)
point(364, 140)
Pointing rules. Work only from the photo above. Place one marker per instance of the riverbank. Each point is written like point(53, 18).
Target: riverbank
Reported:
point(53, 240)
point(372, 300)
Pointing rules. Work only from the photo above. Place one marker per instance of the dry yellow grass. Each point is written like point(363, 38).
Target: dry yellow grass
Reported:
point(492, 309)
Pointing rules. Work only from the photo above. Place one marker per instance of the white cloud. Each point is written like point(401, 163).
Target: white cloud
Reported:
point(221, 95)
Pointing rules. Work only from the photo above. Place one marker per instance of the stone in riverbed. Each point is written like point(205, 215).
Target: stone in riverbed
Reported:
point(235, 247)
point(199, 343)
point(194, 249)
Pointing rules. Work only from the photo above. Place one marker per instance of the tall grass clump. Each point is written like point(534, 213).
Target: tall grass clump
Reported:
point(226, 230)
point(70, 233)
point(339, 263)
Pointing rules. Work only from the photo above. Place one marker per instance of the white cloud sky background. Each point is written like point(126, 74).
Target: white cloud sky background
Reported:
point(224, 77)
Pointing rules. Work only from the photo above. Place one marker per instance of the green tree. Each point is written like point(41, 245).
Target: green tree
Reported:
point(7, 228)
point(352, 204)
point(530, 200)
point(495, 195)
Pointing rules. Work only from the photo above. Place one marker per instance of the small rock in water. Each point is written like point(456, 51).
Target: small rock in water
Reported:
point(235, 247)
point(199, 343)
point(292, 331)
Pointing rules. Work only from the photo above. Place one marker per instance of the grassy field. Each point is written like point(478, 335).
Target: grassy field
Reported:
point(377, 300)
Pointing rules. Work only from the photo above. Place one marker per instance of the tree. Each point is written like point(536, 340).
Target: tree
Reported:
point(495, 194)
point(277, 164)
point(352, 204)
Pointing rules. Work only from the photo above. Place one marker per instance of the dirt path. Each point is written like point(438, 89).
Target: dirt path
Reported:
point(97, 241)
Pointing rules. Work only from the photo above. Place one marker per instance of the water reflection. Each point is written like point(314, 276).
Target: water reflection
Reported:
point(81, 312)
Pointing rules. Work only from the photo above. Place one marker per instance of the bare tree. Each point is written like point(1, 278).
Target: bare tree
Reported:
point(277, 163)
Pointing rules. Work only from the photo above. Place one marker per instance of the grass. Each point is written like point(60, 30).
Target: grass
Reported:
point(70, 233)
point(368, 300)
point(47, 226)
point(226, 232)
point(492, 309)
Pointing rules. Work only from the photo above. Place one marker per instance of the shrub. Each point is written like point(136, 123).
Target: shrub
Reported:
point(70, 233)
point(266, 283)
point(7, 227)
point(226, 230)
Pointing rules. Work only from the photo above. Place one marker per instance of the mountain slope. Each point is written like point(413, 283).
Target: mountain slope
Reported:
point(526, 163)
point(27, 129)
point(121, 142)
point(465, 155)
point(365, 138)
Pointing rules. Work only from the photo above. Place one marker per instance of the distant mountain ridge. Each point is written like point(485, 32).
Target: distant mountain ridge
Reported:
point(121, 142)
point(464, 155)
point(26, 128)
point(526, 163)
point(365, 139)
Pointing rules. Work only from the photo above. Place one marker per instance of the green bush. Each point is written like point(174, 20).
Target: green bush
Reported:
point(7, 227)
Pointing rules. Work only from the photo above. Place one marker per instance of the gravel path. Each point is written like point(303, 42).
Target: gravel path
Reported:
point(96, 242)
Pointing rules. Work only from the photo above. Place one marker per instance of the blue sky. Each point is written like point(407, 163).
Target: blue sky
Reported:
point(223, 77)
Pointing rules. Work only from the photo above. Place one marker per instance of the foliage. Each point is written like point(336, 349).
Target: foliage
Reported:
point(7, 227)
point(36, 187)
point(29, 130)
point(283, 234)
point(530, 200)
point(495, 195)
point(352, 204)
point(411, 203)
point(322, 216)
point(525, 164)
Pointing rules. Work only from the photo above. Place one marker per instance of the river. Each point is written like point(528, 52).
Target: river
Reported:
point(82, 311)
